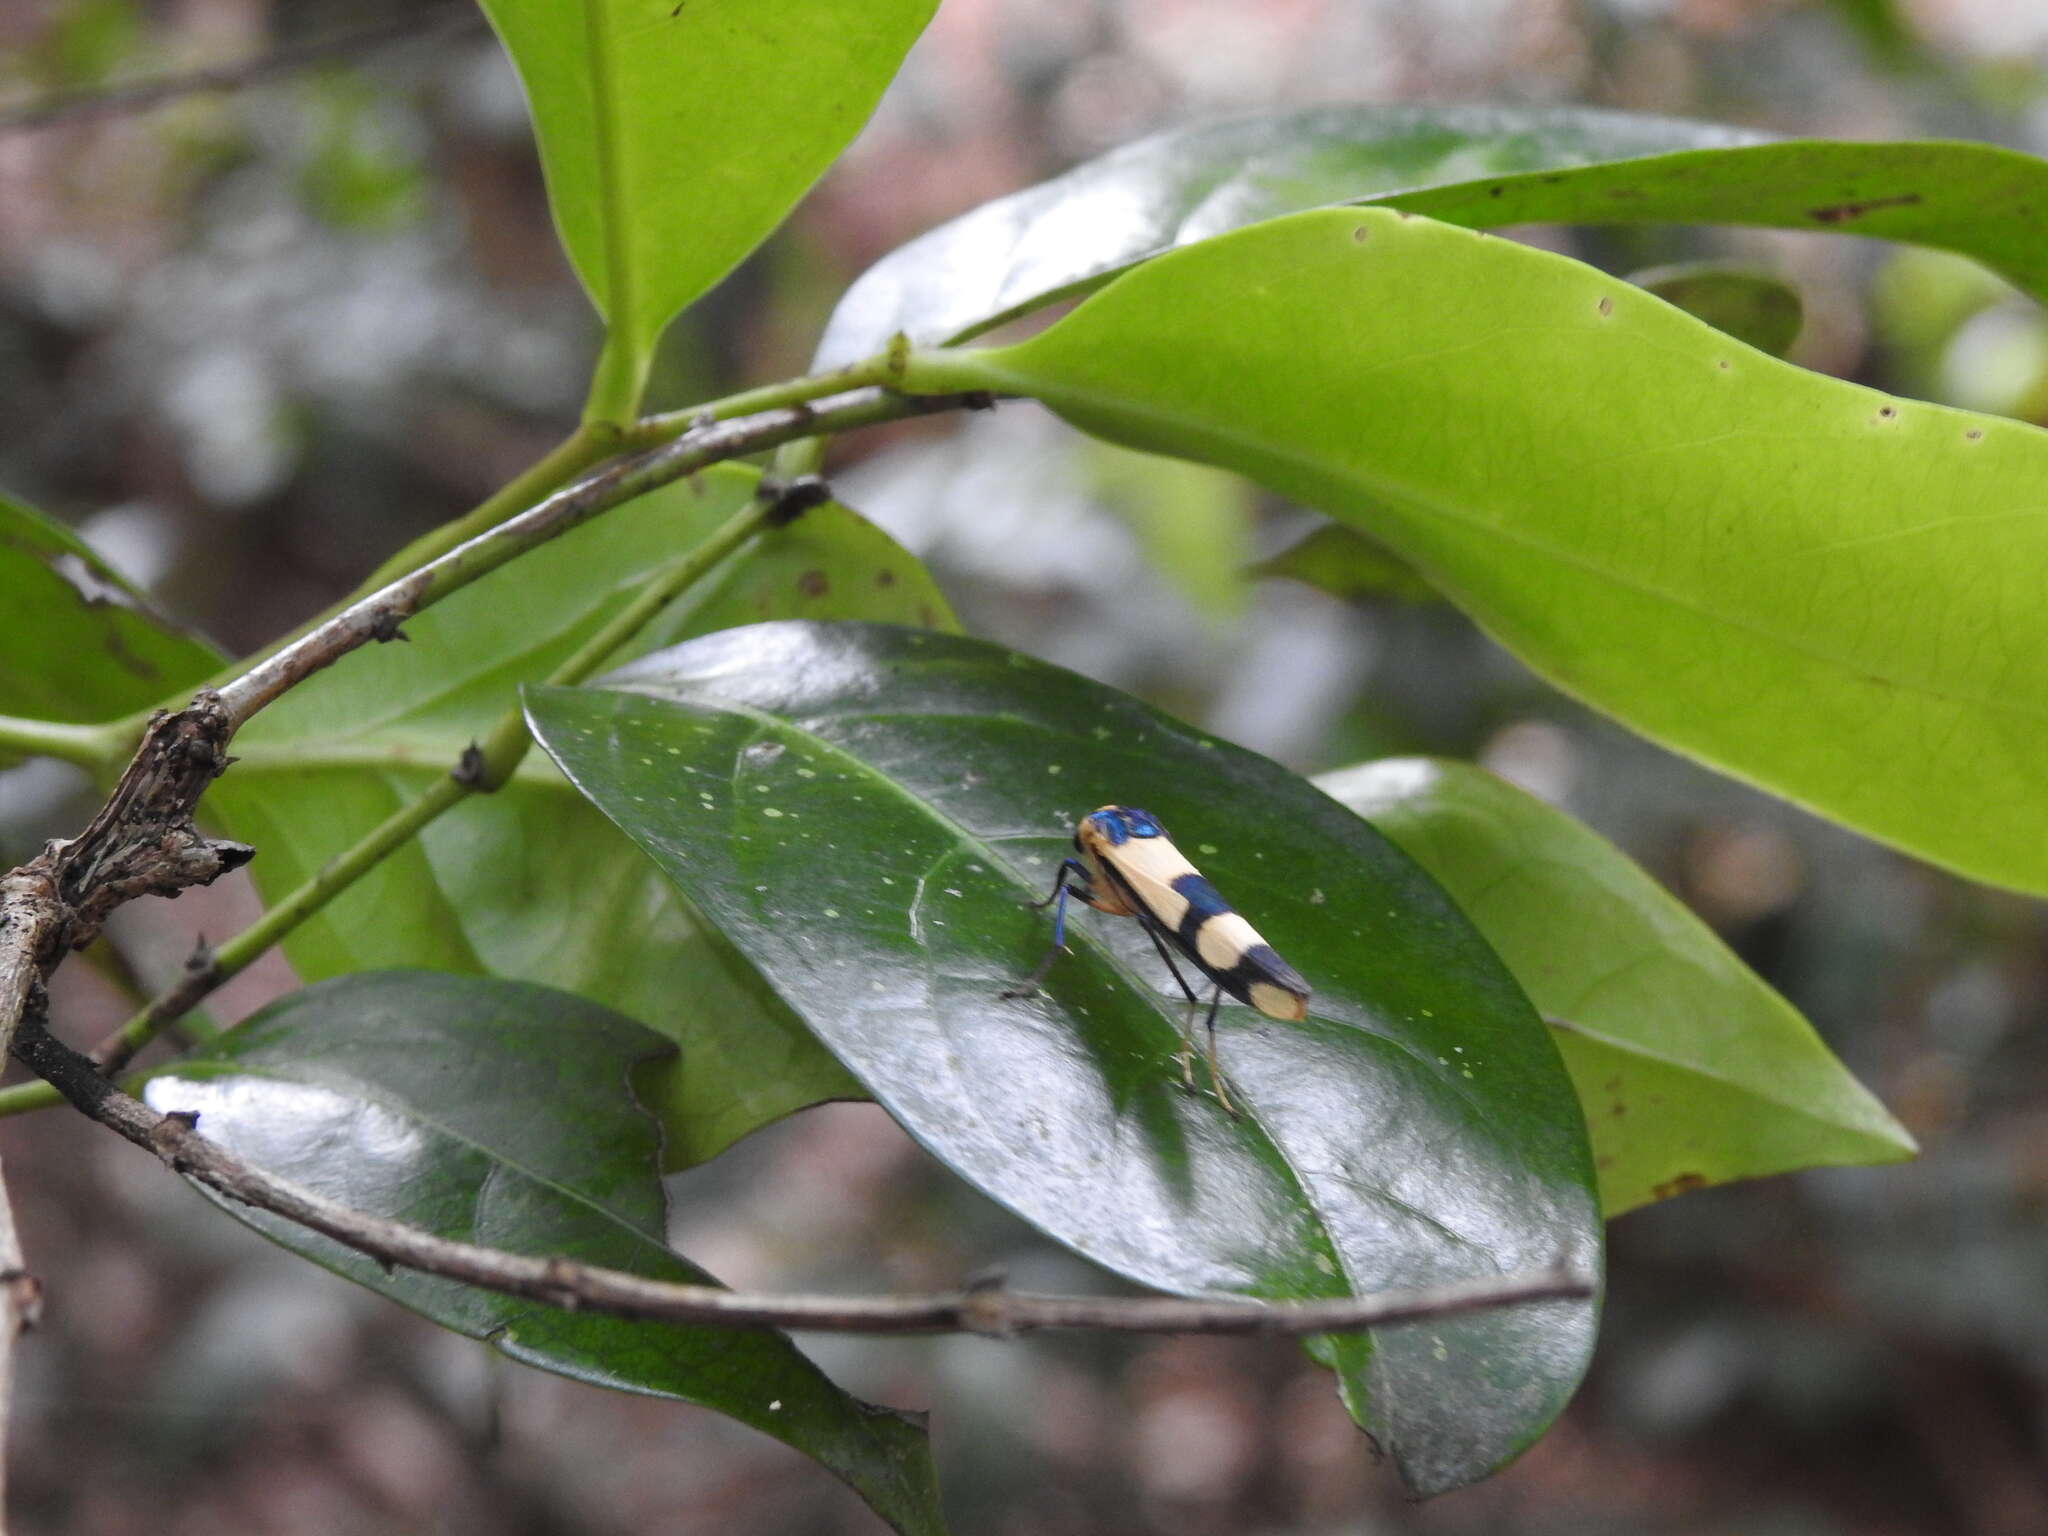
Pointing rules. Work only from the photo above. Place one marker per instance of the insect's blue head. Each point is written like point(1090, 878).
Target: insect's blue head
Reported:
point(1117, 824)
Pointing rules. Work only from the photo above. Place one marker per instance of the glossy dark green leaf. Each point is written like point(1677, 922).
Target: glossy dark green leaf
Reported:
point(530, 882)
point(500, 1114)
point(1830, 592)
point(1478, 166)
point(80, 644)
point(865, 812)
point(1691, 1069)
point(1753, 307)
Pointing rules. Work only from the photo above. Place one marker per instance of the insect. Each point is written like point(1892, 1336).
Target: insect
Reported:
point(1129, 868)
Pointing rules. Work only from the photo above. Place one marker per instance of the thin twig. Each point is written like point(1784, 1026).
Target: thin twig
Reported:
point(563, 1282)
point(74, 103)
point(378, 616)
point(143, 840)
point(484, 766)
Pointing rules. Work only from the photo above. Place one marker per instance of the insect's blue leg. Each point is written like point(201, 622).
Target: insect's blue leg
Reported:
point(1073, 875)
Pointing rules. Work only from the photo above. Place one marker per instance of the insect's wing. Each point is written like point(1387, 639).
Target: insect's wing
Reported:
point(1158, 878)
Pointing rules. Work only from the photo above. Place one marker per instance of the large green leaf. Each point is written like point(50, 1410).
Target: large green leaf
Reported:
point(80, 644)
point(497, 1113)
point(674, 137)
point(530, 882)
point(1819, 588)
point(865, 812)
point(1692, 1071)
point(1480, 166)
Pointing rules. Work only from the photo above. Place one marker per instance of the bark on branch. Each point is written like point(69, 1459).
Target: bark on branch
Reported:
point(141, 843)
point(563, 1282)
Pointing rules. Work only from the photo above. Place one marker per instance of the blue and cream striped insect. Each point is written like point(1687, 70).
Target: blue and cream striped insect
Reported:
point(1128, 867)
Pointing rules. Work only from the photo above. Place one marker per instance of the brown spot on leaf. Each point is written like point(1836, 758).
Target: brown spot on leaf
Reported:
point(1679, 1185)
point(1975, 434)
point(1361, 234)
point(1606, 305)
point(885, 577)
point(1843, 213)
point(813, 583)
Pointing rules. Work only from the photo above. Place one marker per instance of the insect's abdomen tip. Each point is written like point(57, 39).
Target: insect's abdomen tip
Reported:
point(1279, 1002)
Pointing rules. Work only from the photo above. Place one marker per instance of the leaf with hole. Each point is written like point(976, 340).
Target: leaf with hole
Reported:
point(1824, 590)
point(865, 813)
point(500, 1114)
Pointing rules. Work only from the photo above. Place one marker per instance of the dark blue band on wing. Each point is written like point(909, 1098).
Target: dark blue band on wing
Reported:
point(1201, 897)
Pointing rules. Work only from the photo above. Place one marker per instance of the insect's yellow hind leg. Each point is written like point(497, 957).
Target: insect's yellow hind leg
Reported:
point(1187, 1057)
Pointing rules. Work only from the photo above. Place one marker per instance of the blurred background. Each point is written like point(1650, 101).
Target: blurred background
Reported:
point(251, 340)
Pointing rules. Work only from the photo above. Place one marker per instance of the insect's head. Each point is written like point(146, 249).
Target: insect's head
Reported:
point(1118, 824)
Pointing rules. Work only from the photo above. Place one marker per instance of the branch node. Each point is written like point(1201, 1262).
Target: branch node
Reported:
point(985, 1304)
point(470, 769)
point(788, 500)
point(385, 628)
point(565, 1281)
point(167, 1138)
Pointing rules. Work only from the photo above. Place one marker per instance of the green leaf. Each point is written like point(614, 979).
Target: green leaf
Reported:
point(1193, 524)
point(1692, 1071)
point(81, 644)
point(866, 811)
point(1975, 199)
point(1750, 306)
point(1480, 166)
point(1345, 563)
point(1826, 591)
point(674, 137)
point(530, 882)
point(500, 1114)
